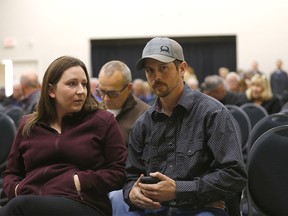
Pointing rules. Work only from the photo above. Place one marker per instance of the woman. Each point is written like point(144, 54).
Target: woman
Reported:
point(259, 92)
point(68, 154)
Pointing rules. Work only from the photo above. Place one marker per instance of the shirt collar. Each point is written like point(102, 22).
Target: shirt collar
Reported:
point(186, 101)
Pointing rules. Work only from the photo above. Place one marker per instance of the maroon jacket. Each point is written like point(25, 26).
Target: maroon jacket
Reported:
point(90, 145)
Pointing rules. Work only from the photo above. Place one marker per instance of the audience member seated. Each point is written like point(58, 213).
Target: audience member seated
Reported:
point(31, 91)
point(259, 92)
point(115, 87)
point(223, 71)
point(254, 69)
point(149, 96)
point(242, 85)
point(232, 82)
point(68, 154)
point(16, 98)
point(94, 82)
point(193, 83)
point(251, 72)
point(138, 89)
point(214, 86)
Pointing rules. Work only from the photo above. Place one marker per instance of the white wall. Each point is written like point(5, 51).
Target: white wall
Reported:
point(46, 29)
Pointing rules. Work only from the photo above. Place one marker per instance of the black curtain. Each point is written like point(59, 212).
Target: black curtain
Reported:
point(204, 54)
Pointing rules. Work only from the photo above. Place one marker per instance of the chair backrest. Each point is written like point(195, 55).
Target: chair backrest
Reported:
point(7, 134)
point(266, 123)
point(243, 122)
point(255, 112)
point(14, 112)
point(267, 172)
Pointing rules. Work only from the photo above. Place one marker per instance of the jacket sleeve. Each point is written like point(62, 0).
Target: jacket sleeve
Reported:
point(112, 176)
point(14, 172)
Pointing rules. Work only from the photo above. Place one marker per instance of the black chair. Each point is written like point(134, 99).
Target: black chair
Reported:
point(267, 173)
point(244, 128)
point(14, 112)
point(243, 121)
point(7, 134)
point(266, 123)
point(255, 112)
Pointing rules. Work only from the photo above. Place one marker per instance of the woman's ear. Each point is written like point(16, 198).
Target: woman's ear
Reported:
point(51, 91)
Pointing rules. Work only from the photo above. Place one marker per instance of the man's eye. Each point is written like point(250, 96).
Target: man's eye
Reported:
point(148, 70)
point(163, 67)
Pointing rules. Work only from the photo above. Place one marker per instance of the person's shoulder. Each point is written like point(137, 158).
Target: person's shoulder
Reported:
point(141, 103)
point(99, 114)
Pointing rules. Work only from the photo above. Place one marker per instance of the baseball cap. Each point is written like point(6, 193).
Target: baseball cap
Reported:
point(162, 49)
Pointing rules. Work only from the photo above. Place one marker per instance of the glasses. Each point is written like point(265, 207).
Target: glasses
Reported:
point(110, 94)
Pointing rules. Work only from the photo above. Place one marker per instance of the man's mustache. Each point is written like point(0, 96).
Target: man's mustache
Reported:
point(156, 83)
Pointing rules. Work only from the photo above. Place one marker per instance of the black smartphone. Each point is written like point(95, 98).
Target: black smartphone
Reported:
point(149, 180)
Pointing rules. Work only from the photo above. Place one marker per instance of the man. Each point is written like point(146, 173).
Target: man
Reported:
point(16, 98)
point(232, 81)
point(214, 86)
point(94, 82)
point(115, 88)
point(31, 91)
point(279, 82)
point(186, 139)
point(138, 88)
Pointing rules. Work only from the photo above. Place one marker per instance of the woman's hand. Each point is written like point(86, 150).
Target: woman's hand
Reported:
point(16, 190)
point(77, 182)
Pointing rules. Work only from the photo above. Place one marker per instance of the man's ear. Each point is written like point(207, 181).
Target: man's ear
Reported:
point(51, 91)
point(129, 86)
point(182, 68)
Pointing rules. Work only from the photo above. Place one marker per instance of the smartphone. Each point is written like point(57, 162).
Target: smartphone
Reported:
point(149, 180)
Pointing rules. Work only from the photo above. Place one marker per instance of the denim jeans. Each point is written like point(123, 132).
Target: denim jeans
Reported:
point(166, 211)
point(120, 208)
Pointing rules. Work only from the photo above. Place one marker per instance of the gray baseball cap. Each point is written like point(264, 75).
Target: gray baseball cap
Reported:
point(162, 49)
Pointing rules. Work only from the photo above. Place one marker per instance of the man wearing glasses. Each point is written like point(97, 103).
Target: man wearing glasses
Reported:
point(115, 89)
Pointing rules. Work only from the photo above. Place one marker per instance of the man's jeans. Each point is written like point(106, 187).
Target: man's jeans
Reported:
point(120, 208)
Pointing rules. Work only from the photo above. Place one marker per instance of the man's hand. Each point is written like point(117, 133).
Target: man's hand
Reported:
point(137, 197)
point(163, 191)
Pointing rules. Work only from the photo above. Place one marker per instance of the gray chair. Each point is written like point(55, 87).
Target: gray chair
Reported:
point(255, 112)
point(7, 134)
point(267, 173)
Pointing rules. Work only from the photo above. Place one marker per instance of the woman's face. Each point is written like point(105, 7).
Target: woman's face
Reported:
point(70, 92)
point(256, 91)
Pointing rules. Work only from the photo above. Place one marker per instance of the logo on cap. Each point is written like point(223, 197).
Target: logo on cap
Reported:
point(164, 49)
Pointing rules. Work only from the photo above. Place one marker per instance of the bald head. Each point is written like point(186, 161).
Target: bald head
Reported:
point(29, 82)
